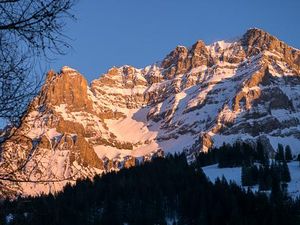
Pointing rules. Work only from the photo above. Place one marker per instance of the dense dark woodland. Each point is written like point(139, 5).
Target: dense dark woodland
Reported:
point(167, 189)
point(255, 163)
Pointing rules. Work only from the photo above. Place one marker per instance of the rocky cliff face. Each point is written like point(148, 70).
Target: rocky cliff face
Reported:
point(193, 99)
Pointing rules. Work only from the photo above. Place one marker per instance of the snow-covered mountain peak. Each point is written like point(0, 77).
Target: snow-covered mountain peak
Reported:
point(70, 71)
point(222, 44)
point(195, 98)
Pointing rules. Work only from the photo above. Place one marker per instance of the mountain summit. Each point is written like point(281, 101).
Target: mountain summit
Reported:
point(195, 98)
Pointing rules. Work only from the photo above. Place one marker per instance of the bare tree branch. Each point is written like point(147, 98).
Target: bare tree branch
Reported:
point(30, 30)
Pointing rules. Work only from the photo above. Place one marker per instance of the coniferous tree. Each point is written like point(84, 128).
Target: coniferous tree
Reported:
point(264, 178)
point(249, 175)
point(286, 177)
point(269, 180)
point(254, 174)
point(262, 154)
point(276, 193)
point(276, 170)
point(245, 176)
point(280, 153)
point(261, 178)
point(298, 158)
point(249, 154)
point(2, 218)
point(288, 153)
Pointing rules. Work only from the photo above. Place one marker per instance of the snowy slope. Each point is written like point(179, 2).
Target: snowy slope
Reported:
point(234, 175)
point(195, 98)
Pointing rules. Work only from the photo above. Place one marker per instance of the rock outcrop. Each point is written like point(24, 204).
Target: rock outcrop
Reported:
point(194, 99)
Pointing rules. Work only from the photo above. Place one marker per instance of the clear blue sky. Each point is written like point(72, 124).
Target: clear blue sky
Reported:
point(139, 32)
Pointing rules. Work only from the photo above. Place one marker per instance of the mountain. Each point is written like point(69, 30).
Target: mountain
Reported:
point(194, 99)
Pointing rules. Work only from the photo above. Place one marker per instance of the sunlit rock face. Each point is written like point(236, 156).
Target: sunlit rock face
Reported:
point(194, 99)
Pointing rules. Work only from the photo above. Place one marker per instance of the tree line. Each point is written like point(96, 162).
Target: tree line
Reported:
point(235, 155)
point(165, 191)
point(257, 168)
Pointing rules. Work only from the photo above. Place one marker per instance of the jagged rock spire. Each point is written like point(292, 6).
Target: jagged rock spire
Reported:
point(217, 93)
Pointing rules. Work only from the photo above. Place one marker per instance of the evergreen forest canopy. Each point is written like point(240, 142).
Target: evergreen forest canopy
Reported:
point(167, 191)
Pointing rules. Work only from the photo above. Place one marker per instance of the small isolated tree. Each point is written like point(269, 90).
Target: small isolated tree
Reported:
point(245, 176)
point(286, 176)
point(288, 153)
point(280, 153)
point(262, 154)
point(298, 158)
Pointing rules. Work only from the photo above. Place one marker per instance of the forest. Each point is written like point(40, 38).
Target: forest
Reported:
point(169, 190)
point(166, 190)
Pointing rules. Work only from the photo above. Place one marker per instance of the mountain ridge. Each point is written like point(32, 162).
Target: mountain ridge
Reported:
point(194, 99)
